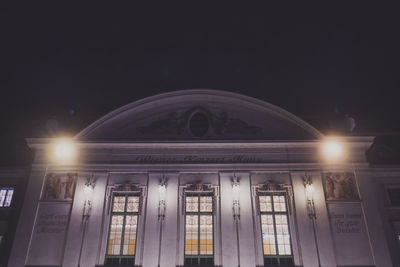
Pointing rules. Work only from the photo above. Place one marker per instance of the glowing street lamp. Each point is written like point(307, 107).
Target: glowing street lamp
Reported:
point(63, 151)
point(332, 149)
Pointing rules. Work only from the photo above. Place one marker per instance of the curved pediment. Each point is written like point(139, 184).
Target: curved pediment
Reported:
point(199, 115)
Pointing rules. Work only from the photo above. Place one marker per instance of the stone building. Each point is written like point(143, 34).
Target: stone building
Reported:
point(12, 189)
point(206, 178)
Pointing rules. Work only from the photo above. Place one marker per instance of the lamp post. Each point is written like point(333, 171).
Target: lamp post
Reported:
point(236, 212)
point(309, 191)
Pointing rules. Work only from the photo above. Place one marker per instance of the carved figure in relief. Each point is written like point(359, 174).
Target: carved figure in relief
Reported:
point(69, 187)
point(340, 186)
point(221, 123)
point(59, 187)
point(329, 187)
point(50, 192)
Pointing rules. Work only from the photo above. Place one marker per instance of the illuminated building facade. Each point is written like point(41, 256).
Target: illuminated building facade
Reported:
point(12, 189)
point(207, 178)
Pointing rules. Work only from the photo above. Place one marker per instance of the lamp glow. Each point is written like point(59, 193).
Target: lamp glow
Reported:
point(332, 150)
point(63, 151)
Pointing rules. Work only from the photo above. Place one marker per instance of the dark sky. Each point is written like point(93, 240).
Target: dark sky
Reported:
point(75, 63)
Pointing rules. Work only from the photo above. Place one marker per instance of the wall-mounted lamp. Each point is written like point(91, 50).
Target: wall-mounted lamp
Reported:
point(235, 197)
point(63, 151)
point(332, 149)
point(162, 189)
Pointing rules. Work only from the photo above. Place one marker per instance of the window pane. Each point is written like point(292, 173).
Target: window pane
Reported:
point(192, 204)
point(265, 203)
point(206, 235)
point(279, 203)
point(130, 235)
point(268, 234)
point(191, 235)
point(282, 235)
point(3, 193)
point(133, 204)
point(206, 204)
point(7, 202)
point(119, 204)
point(114, 240)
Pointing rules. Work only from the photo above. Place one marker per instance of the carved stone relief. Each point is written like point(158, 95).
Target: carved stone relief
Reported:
point(59, 187)
point(219, 123)
point(340, 186)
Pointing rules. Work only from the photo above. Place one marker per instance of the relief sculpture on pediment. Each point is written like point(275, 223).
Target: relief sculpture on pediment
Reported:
point(173, 124)
point(219, 124)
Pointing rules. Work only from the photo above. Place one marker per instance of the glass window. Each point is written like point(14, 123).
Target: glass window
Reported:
point(276, 241)
point(199, 230)
point(121, 245)
point(6, 194)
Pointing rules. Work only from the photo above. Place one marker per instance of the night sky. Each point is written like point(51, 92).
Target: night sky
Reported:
point(63, 67)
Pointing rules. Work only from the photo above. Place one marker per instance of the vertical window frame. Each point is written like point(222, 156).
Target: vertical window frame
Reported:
point(6, 202)
point(277, 257)
point(199, 213)
point(125, 213)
